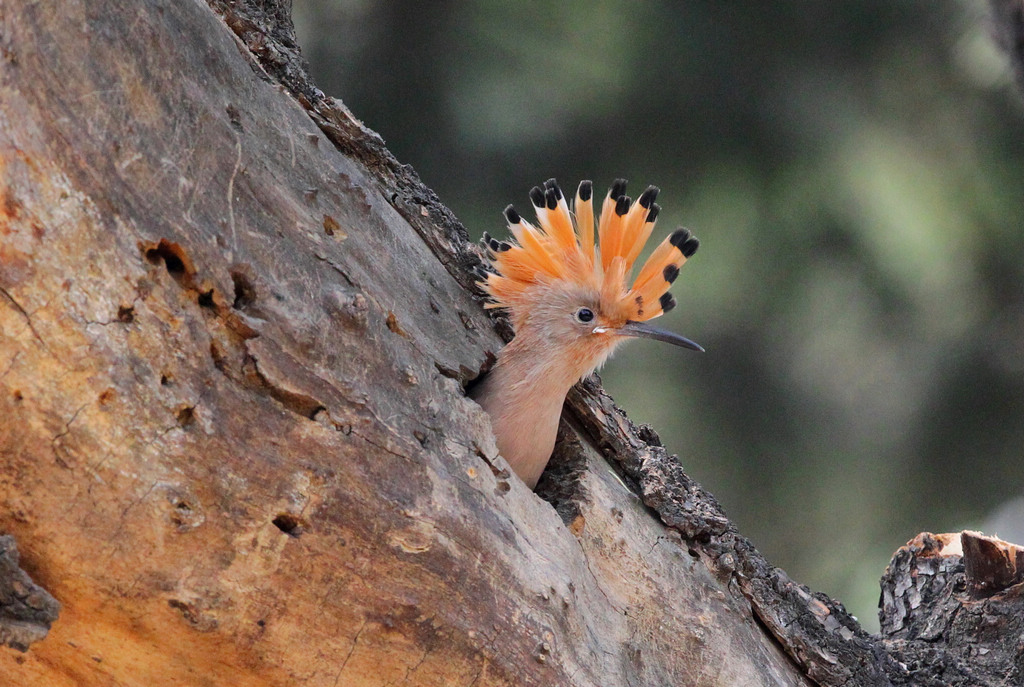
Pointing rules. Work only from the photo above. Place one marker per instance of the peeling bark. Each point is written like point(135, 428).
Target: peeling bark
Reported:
point(236, 447)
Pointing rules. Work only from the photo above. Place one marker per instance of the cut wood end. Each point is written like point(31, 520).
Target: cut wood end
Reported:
point(991, 564)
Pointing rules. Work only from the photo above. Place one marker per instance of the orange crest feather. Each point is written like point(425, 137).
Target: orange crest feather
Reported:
point(562, 248)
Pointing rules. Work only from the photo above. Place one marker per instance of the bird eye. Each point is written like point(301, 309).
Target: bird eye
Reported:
point(584, 315)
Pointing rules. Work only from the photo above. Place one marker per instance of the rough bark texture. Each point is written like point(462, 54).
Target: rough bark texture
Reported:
point(235, 444)
point(26, 609)
point(952, 607)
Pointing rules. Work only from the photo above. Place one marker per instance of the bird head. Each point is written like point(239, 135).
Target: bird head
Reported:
point(568, 293)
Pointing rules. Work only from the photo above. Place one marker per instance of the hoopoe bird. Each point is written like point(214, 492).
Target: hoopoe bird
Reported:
point(570, 305)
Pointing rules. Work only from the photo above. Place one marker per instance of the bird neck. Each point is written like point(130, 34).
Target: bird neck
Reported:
point(523, 394)
point(537, 368)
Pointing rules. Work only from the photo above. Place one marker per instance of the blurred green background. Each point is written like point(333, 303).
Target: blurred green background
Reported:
point(855, 172)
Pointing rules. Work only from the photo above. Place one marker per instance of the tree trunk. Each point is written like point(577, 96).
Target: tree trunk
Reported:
point(235, 444)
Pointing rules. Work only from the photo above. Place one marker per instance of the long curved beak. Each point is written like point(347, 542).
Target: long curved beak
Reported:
point(645, 331)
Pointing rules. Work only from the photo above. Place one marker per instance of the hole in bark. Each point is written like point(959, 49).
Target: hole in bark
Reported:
point(166, 379)
point(126, 314)
point(187, 416)
point(173, 263)
point(289, 524)
point(175, 260)
point(18, 396)
point(245, 292)
point(206, 299)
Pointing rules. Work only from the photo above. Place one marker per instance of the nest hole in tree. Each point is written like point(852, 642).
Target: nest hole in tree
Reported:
point(561, 485)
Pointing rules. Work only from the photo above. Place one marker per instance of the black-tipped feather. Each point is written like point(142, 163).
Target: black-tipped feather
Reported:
point(551, 196)
point(618, 189)
point(647, 197)
point(679, 237)
point(667, 302)
point(670, 273)
point(690, 246)
point(537, 197)
point(652, 214)
point(586, 190)
point(512, 216)
point(552, 184)
point(622, 205)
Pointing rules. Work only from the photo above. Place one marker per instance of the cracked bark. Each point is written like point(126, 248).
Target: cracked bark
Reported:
point(261, 469)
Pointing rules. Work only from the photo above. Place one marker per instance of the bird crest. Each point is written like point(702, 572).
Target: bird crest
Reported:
point(563, 249)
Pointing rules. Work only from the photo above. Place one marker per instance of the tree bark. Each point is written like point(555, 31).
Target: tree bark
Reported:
point(235, 443)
